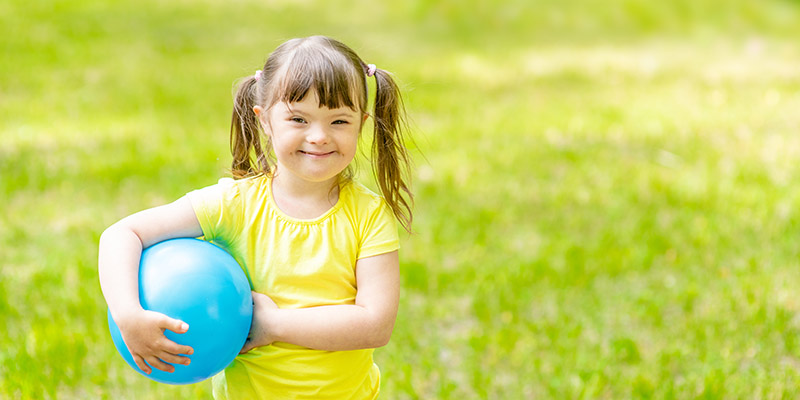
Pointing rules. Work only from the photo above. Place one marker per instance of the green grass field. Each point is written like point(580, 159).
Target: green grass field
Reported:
point(607, 192)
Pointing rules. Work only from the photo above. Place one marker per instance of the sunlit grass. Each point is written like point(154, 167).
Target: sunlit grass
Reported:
point(606, 204)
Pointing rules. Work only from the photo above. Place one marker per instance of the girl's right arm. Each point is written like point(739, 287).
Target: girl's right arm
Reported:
point(118, 264)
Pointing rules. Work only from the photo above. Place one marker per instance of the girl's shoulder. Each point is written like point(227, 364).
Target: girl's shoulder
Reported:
point(251, 184)
point(232, 190)
point(227, 183)
point(360, 198)
point(369, 213)
point(359, 192)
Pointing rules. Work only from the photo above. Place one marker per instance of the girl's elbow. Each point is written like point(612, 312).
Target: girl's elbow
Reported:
point(382, 335)
point(116, 236)
point(376, 341)
point(378, 328)
point(109, 236)
point(381, 339)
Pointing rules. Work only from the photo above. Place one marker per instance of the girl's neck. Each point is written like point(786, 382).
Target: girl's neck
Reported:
point(302, 199)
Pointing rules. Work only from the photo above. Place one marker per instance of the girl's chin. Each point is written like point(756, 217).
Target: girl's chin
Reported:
point(310, 175)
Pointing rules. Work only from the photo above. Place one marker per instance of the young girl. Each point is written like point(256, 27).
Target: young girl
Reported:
point(320, 250)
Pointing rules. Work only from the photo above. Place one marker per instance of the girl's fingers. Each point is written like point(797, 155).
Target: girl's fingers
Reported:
point(174, 359)
point(157, 363)
point(174, 325)
point(141, 364)
point(175, 348)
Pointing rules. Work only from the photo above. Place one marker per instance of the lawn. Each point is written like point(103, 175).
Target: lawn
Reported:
point(606, 192)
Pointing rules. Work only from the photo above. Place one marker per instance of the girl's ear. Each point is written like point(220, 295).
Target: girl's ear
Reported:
point(366, 115)
point(261, 114)
point(259, 111)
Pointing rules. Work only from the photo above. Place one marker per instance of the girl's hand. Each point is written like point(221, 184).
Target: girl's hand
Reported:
point(261, 334)
point(143, 333)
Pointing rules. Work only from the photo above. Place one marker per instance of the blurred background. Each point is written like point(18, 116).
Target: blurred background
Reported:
point(607, 197)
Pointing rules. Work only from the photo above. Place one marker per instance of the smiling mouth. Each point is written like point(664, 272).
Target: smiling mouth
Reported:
point(316, 153)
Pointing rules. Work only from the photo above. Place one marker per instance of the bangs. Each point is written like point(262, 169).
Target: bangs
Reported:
point(331, 75)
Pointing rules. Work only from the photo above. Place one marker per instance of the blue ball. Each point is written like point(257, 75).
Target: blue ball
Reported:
point(202, 285)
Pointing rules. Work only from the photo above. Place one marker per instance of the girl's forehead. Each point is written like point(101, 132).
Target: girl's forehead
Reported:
point(331, 85)
point(310, 104)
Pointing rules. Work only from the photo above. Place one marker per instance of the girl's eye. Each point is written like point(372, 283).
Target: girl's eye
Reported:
point(339, 121)
point(298, 120)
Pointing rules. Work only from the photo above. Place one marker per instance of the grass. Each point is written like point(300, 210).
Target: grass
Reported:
point(606, 197)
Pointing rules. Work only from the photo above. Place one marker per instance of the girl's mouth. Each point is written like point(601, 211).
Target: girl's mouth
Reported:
point(316, 153)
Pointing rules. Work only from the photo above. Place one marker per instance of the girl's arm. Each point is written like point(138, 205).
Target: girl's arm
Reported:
point(367, 324)
point(118, 267)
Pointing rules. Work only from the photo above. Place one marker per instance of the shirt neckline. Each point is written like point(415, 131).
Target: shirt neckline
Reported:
point(301, 221)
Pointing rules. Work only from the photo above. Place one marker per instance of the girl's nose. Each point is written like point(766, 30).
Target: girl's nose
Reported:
point(317, 135)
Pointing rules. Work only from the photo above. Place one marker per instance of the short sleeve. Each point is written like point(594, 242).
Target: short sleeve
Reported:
point(218, 209)
point(379, 232)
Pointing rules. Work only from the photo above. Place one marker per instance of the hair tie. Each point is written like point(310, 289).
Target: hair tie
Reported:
point(257, 76)
point(371, 68)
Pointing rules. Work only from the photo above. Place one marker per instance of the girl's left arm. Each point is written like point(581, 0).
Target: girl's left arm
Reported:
point(367, 324)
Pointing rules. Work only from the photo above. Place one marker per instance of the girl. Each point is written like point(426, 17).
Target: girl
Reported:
point(320, 250)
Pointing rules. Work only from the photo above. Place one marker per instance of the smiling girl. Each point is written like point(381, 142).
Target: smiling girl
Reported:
point(320, 250)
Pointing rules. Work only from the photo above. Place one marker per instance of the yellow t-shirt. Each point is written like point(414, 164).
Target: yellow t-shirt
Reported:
point(297, 263)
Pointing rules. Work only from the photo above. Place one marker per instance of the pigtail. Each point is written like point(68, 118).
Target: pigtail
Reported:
point(390, 159)
point(246, 148)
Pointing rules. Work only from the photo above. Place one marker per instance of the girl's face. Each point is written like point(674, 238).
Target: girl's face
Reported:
point(311, 142)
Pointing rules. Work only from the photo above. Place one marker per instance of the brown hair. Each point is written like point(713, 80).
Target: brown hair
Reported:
point(338, 76)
